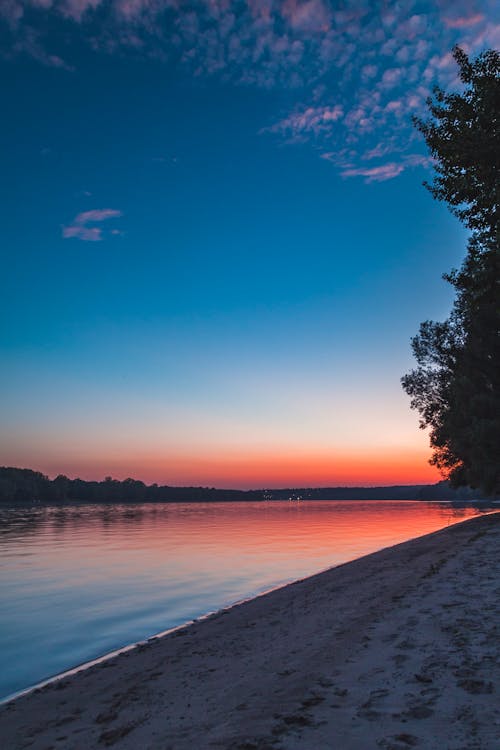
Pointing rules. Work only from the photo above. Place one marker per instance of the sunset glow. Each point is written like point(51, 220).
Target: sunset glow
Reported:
point(216, 242)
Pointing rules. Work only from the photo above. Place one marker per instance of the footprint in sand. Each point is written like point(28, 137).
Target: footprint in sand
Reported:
point(418, 711)
point(398, 741)
point(476, 687)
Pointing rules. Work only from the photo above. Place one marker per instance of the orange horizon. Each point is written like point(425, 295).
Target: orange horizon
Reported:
point(254, 471)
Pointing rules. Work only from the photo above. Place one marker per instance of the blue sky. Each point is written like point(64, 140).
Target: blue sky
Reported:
point(215, 240)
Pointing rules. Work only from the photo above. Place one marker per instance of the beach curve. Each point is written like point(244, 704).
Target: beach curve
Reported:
point(395, 649)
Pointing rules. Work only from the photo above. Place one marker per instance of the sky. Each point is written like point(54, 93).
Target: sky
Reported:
point(215, 241)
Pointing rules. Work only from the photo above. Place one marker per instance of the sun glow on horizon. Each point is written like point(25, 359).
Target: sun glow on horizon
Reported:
point(217, 244)
point(253, 470)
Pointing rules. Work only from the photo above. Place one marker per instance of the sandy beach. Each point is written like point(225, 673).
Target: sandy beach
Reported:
point(398, 649)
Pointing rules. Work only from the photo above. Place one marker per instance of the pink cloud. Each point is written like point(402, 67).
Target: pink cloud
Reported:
point(375, 174)
point(420, 50)
point(409, 28)
point(388, 18)
point(89, 234)
point(261, 9)
point(391, 77)
point(346, 17)
point(387, 171)
point(403, 54)
point(414, 101)
point(310, 15)
point(359, 118)
point(440, 66)
point(369, 71)
point(357, 55)
point(381, 149)
point(312, 119)
point(462, 22)
point(393, 106)
point(130, 8)
point(80, 230)
point(76, 9)
point(447, 62)
point(488, 36)
point(389, 47)
point(12, 11)
point(97, 214)
point(30, 42)
point(418, 160)
point(343, 159)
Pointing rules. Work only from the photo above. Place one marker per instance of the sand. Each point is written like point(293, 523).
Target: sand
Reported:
point(398, 649)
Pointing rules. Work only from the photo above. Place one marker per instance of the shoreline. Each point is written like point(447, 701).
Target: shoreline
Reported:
point(81, 666)
point(262, 673)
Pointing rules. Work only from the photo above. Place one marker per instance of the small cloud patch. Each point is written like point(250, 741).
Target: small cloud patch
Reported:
point(375, 174)
point(81, 228)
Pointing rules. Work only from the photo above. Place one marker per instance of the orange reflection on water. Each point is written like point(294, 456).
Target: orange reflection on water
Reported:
point(181, 535)
point(79, 581)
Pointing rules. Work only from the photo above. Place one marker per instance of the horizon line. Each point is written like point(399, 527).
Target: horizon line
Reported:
point(233, 489)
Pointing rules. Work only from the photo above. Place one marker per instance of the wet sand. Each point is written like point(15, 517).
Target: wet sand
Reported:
point(398, 649)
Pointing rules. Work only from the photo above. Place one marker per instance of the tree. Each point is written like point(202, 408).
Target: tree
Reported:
point(463, 137)
point(456, 385)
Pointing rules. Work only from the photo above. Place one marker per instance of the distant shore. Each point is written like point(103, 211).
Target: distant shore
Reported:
point(25, 486)
point(394, 650)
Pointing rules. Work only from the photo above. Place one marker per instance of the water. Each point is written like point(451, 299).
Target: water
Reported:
point(79, 581)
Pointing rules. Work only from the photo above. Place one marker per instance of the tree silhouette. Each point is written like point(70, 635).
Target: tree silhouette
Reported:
point(456, 385)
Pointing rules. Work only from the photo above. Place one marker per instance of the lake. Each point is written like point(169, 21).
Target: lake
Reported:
point(79, 581)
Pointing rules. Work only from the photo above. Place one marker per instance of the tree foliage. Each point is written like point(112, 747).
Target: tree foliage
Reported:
point(456, 385)
point(463, 137)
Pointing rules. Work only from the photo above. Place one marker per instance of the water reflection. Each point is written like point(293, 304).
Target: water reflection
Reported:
point(78, 581)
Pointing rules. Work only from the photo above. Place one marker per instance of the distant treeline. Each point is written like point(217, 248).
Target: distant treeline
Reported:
point(27, 486)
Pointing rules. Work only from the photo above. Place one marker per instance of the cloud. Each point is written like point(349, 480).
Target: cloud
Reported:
point(80, 229)
point(361, 111)
point(368, 72)
point(26, 40)
point(462, 22)
point(267, 43)
point(11, 11)
point(97, 214)
point(353, 75)
point(76, 9)
point(311, 15)
point(310, 120)
point(391, 77)
point(89, 234)
point(387, 171)
point(375, 174)
point(418, 160)
point(376, 152)
point(487, 36)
